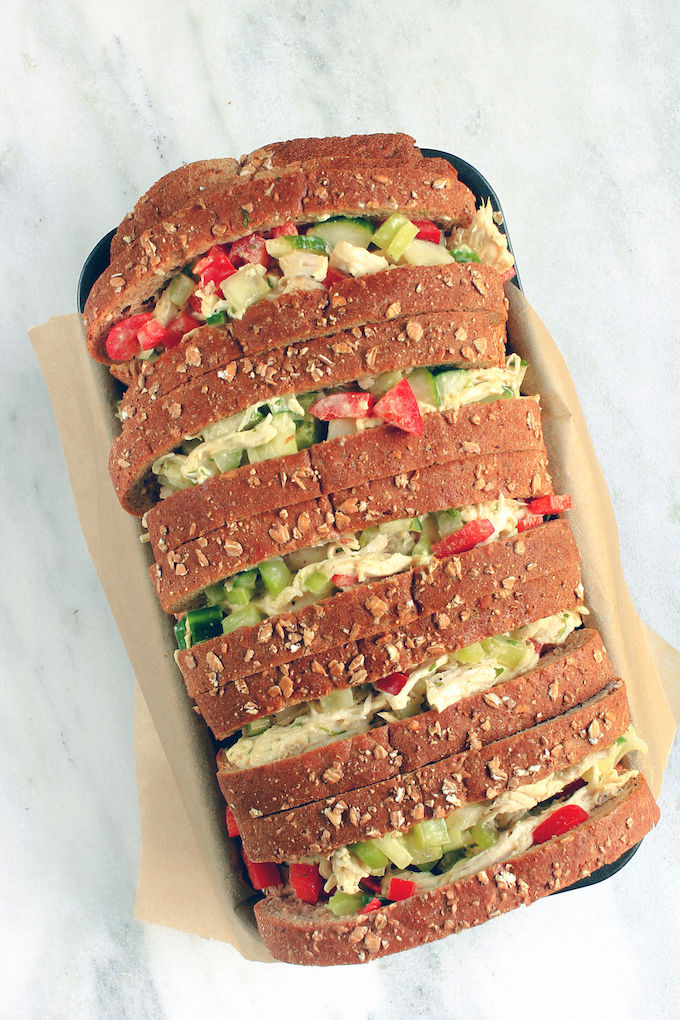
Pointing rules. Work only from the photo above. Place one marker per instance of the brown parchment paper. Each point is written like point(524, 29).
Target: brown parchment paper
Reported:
point(189, 871)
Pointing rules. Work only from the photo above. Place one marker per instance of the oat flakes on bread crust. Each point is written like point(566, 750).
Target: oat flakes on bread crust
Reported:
point(567, 675)
point(296, 932)
point(432, 791)
point(223, 216)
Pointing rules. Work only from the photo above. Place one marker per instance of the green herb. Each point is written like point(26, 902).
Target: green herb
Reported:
point(246, 218)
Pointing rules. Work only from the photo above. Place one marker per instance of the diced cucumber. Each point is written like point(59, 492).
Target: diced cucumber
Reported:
point(180, 289)
point(276, 575)
point(203, 624)
point(242, 289)
point(426, 253)
point(307, 399)
point(394, 847)
point(180, 630)
point(449, 859)
point(239, 596)
point(317, 582)
point(463, 253)
point(370, 854)
point(366, 536)
point(240, 422)
point(309, 431)
point(248, 579)
point(424, 386)
point(507, 651)
point(395, 527)
point(166, 309)
point(249, 616)
point(227, 460)
point(429, 833)
point(218, 319)
point(385, 382)
point(451, 383)
point(355, 230)
point(337, 700)
point(395, 235)
point(278, 246)
point(253, 729)
point(342, 904)
point(505, 394)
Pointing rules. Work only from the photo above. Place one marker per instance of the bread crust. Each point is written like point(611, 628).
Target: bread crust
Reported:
point(432, 791)
point(299, 933)
point(564, 676)
point(257, 204)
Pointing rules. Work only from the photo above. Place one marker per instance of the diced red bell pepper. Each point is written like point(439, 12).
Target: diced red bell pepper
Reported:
point(180, 325)
point(196, 303)
point(508, 274)
point(232, 827)
point(550, 504)
point(122, 343)
point(368, 908)
point(401, 889)
point(372, 883)
point(559, 822)
point(333, 276)
point(306, 882)
point(215, 266)
point(285, 230)
point(470, 535)
point(152, 334)
point(427, 231)
point(344, 580)
point(530, 521)
point(343, 405)
point(399, 407)
point(537, 645)
point(263, 874)
point(393, 683)
point(250, 249)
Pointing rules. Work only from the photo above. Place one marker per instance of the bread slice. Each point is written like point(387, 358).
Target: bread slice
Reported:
point(302, 195)
point(398, 803)
point(566, 675)
point(297, 932)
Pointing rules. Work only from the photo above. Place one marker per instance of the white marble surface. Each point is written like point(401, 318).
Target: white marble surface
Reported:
point(571, 111)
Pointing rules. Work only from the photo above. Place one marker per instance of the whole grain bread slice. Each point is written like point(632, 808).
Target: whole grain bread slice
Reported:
point(302, 195)
point(564, 676)
point(296, 932)
point(550, 551)
point(432, 791)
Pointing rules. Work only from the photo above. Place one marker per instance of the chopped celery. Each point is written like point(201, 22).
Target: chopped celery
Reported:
point(342, 904)
point(248, 579)
point(395, 527)
point(239, 596)
point(370, 854)
point(215, 594)
point(278, 246)
point(249, 616)
point(463, 253)
point(204, 624)
point(471, 653)
point(507, 651)
point(430, 833)
point(283, 444)
point(366, 536)
point(317, 582)
point(355, 230)
point(180, 630)
point(337, 700)
point(218, 319)
point(448, 522)
point(423, 547)
point(484, 835)
point(394, 847)
point(395, 235)
point(416, 524)
point(424, 387)
point(276, 575)
point(180, 289)
point(253, 729)
point(426, 253)
point(421, 855)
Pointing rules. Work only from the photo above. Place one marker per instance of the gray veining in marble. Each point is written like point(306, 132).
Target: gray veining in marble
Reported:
point(571, 111)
